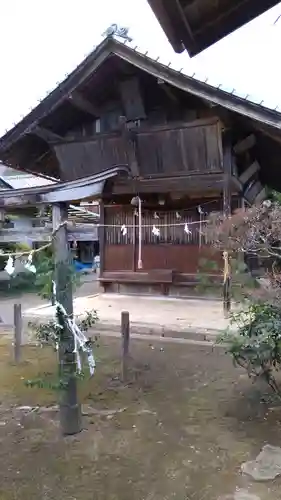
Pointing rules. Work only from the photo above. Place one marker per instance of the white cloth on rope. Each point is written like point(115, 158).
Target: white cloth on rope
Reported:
point(123, 230)
point(155, 231)
point(29, 265)
point(79, 338)
point(10, 266)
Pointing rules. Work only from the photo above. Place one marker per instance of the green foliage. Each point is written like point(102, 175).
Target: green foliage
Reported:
point(50, 334)
point(242, 281)
point(274, 196)
point(21, 282)
point(11, 248)
point(204, 282)
point(256, 345)
point(44, 263)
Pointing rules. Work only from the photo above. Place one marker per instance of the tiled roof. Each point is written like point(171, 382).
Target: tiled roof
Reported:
point(188, 70)
point(180, 67)
point(25, 181)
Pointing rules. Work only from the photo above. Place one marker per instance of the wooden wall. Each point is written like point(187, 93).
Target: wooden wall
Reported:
point(179, 258)
point(188, 148)
point(173, 250)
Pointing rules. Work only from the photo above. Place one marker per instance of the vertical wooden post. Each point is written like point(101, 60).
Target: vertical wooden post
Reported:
point(125, 332)
point(102, 237)
point(2, 219)
point(134, 229)
point(70, 410)
point(17, 332)
point(227, 168)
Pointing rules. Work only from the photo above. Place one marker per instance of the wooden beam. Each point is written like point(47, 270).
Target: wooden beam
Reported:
point(193, 183)
point(77, 232)
point(168, 90)
point(70, 410)
point(130, 145)
point(46, 135)
point(247, 143)
point(132, 99)
point(255, 193)
point(249, 172)
point(260, 196)
point(83, 104)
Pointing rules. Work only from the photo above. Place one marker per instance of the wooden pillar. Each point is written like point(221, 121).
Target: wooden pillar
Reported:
point(2, 219)
point(102, 237)
point(17, 332)
point(70, 411)
point(134, 258)
point(125, 332)
point(227, 168)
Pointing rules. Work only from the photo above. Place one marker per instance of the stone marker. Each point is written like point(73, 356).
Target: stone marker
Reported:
point(267, 465)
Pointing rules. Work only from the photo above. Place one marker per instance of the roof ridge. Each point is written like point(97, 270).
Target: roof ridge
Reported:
point(206, 80)
point(124, 49)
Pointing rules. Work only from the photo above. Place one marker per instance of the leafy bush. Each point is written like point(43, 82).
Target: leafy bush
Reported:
point(45, 274)
point(49, 333)
point(256, 346)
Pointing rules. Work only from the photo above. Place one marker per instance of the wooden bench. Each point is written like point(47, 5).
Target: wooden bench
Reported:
point(148, 278)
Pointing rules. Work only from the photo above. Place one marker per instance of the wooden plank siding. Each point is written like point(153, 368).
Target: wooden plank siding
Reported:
point(176, 258)
point(189, 148)
point(174, 250)
point(168, 223)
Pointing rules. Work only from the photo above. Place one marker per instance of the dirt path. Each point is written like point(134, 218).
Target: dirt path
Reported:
point(30, 300)
point(179, 430)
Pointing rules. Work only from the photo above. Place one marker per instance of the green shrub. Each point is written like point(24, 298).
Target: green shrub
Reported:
point(256, 346)
point(46, 271)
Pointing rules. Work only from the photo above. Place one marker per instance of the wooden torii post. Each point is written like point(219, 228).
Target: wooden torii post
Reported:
point(227, 167)
point(59, 195)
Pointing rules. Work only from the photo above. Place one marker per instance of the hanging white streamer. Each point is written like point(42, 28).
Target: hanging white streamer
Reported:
point(54, 290)
point(82, 343)
point(155, 231)
point(77, 355)
point(123, 230)
point(79, 338)
point(10, 267)
point(29, 265)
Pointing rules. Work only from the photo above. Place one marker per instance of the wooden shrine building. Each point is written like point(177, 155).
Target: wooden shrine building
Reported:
point(123, 127)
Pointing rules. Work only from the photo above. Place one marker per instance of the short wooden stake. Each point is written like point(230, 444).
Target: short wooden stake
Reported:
point(125, 332)
point(17, 332)
point(226, 298)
